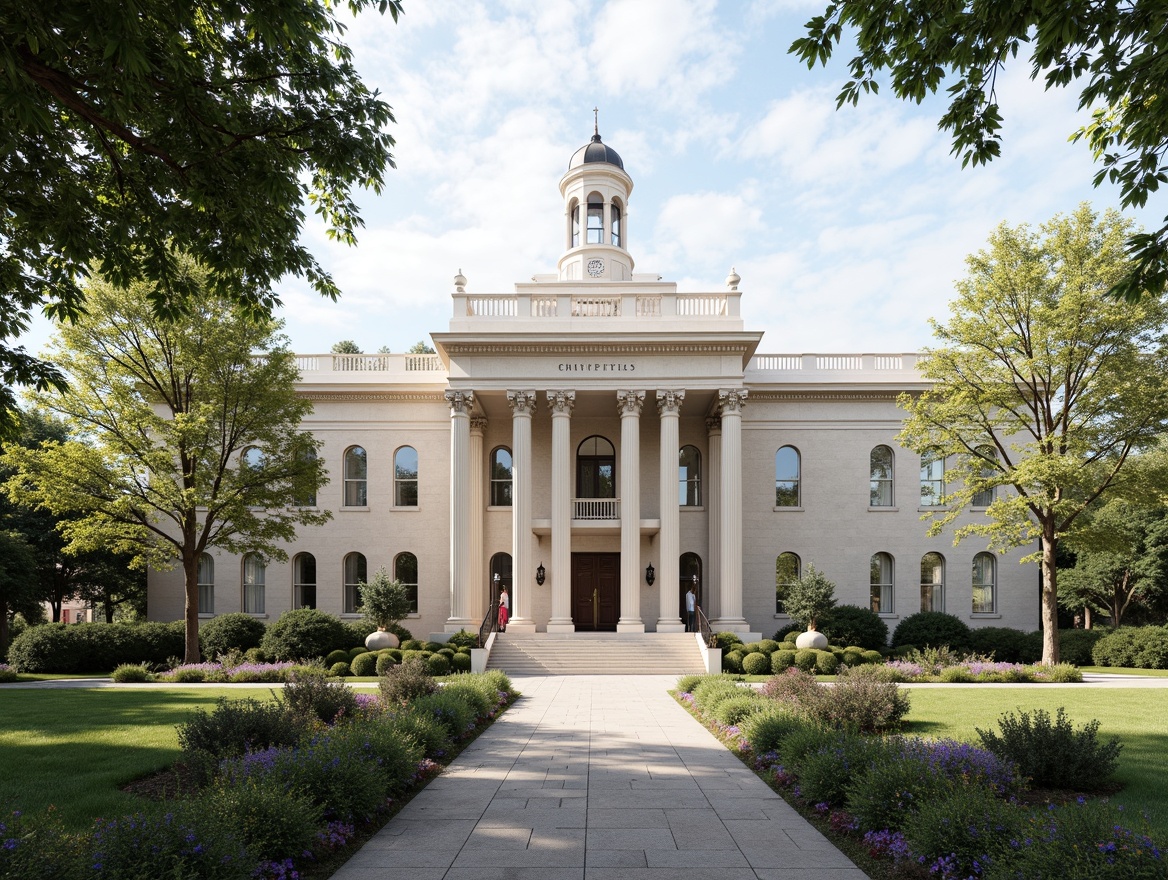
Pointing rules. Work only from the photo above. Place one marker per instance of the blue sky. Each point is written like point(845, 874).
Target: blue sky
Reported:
point(848, 227)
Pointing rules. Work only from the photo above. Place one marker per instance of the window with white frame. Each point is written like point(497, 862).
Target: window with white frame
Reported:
point(304, 581)
point(405, 477)
point(932, 479)
point(206, 577)
point(932, 582)
point(405, 569)
point(689, 477)
point(501, 477)
point(356, 573)
point(880, 466)
point(787, 477)
point(356, 477)
point(984, 586)
point(595, 218)
point(882, 583)
point(254, 575)
point(615, 218)
point(787, 569)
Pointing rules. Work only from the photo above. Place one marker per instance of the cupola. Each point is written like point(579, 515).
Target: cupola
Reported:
point(596, 192)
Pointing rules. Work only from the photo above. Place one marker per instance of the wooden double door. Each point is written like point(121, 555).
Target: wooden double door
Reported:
point(595, 591)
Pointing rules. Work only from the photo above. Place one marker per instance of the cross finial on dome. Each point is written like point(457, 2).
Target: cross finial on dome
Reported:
point(596, 121)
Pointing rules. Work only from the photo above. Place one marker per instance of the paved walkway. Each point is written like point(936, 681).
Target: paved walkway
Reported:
point(597, 778)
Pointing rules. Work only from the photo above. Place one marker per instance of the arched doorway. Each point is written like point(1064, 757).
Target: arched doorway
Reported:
point(689, 575)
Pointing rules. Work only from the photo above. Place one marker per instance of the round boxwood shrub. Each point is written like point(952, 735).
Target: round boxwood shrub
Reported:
point(756, 663)
point(439, 664)
point(354, 653)
point(303, 634)
point(932, 629)
point(751, 648)
point(853, 625)
point(791, 635)
point(229, 632)
point(255, 655)
point(340, 670)
point(463, 639)
point(782, 660)
point(853, 655)
point(826, 663)
point(872, 657)
point(732, 662)
point(769, 646)
point(413, 645)
point(364, 664)
point(384, 662)
point(805, 659)
point(335, 657)
point(461, 662)
point(727, 641)
point(448, 653)
point(1007, 645)
point(788, 633)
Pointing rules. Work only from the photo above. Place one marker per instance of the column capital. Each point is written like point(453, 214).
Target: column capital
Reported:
point(561, 402)
point(521, 402)
point(669, 402)
point(478, 425)
point(460, 402)
point(629, 403)
point(731, 400)
point(714, 425)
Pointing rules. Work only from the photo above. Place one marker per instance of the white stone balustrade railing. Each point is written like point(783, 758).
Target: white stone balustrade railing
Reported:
point(595, 508)
point(526, 305)
point(369, 363)
point(833, 363)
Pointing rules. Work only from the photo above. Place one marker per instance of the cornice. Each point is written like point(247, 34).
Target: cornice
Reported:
point(756, 396)
point(432, 397)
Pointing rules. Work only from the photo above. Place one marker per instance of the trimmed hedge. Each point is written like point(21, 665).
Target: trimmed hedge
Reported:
point(853, 625)
point(305, 633)
point(1005, 644)
point(932, 629)
point(95, 647)
point(1137, 647)
point(229, 632)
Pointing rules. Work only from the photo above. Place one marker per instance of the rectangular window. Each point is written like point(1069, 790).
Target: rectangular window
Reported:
point(932, 481)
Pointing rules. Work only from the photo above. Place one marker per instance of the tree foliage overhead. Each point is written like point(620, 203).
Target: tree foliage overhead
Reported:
point(1118, 52)
point(187, 435)
point(1041, 385)
point(127, 127)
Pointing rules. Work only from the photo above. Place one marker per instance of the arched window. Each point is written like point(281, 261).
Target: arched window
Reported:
point(252, 457)
point(405, 477)
point(985, 497)
point(932, 479)
point(304, 581)
point(932, 582)
point(595, 469)
point(254, 574)
point(689, 477)
point(206, 579)
point(595, 218)
point(689, 566)
point(574, 231)
point(615, 213)
point(984, 587)
point(787, 570)
point(787, 477)
point(405, 569)
point(356, 573)
point(501, 566)
point(501, 477)
point(881, 580)
point(881, 468)
point(308, 499)
point(356, 477)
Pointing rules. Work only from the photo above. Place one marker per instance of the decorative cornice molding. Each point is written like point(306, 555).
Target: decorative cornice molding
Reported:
point(669, 402)
point(434, 397)
point(521, 402)
point(823, 395)
point(461, 402)
point(561, 401)
point(629, 403)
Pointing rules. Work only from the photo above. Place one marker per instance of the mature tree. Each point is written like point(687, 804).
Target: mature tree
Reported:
point(384, 601)
point(128, 127)
point(809, 597)
point(1118, 51)
point(345, 346)
point(188, 432)
point(420, 347)
point(18, 583)
point(1042, 385)
point(1121, 557)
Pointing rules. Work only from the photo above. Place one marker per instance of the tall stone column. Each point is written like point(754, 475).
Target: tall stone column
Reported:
point(522, 405)
point(478, 503)
point(711, 573)
point(460, 484)
point(668, 540)
point(561, 403)
point(629, 405)
point(730, 587)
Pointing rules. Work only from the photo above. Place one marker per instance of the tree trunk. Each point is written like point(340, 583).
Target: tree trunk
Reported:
point(1086, 617)
point(108, 604)
point(1050, 645)
point(191, 571)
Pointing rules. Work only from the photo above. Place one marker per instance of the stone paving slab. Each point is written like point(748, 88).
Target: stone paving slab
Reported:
point(597, 778)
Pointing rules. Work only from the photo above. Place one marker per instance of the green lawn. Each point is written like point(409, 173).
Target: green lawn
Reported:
point(75, 748)
point(1139, 717)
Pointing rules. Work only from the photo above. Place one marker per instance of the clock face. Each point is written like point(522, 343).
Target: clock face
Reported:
point(596, 268)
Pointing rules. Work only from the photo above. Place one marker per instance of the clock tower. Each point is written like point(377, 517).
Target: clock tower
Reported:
point(596, 196)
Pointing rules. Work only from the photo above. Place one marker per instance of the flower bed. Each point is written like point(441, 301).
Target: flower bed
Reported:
point(227, 671)
point(974, 670)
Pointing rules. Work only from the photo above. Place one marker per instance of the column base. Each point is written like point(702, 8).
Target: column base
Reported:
point(520, 626)
point(670, 625)
point(630, 626)
point(730, 624)
point(561, 626)
point(455, 624)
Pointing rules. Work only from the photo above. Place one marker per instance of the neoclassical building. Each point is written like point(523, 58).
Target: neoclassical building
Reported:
point(597, 442)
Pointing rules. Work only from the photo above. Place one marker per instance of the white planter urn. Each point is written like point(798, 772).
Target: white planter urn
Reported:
point(380, 639)
point(811, 639)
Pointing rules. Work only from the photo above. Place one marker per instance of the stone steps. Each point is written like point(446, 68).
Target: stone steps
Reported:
point(596, 654)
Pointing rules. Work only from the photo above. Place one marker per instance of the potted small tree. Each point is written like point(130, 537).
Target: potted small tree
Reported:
point(808, 598)
point(384, 602)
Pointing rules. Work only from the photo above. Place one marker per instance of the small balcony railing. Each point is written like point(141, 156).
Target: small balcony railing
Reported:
point(596, 508)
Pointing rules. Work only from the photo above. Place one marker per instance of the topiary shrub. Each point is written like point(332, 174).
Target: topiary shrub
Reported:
point(853, 625)
point(1005, 644)
point(932, 629)
point(303, 634)
point(129, 672)
point(732, 662)
point(383, 663)
point(463, 639)
point(791, 636)
point(364, 664)
point(1052, 754)
point(853, 656)
point(756, 663)
point(230, 632)
point(439, 664)
point(256, 655)
point(805, 659)
point(335, 657)
point(787, 633)
point(340, 670)
point(727, 640)
point(872, 657)
point(412, 645)
point(769, 646)
point(354, 653)
point(782, 660)
point(826, 663)
point(460, 662)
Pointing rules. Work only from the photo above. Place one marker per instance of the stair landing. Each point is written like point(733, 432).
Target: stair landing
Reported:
point(596, 654)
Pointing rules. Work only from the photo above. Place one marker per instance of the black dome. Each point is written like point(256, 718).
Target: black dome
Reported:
point(596, 151)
